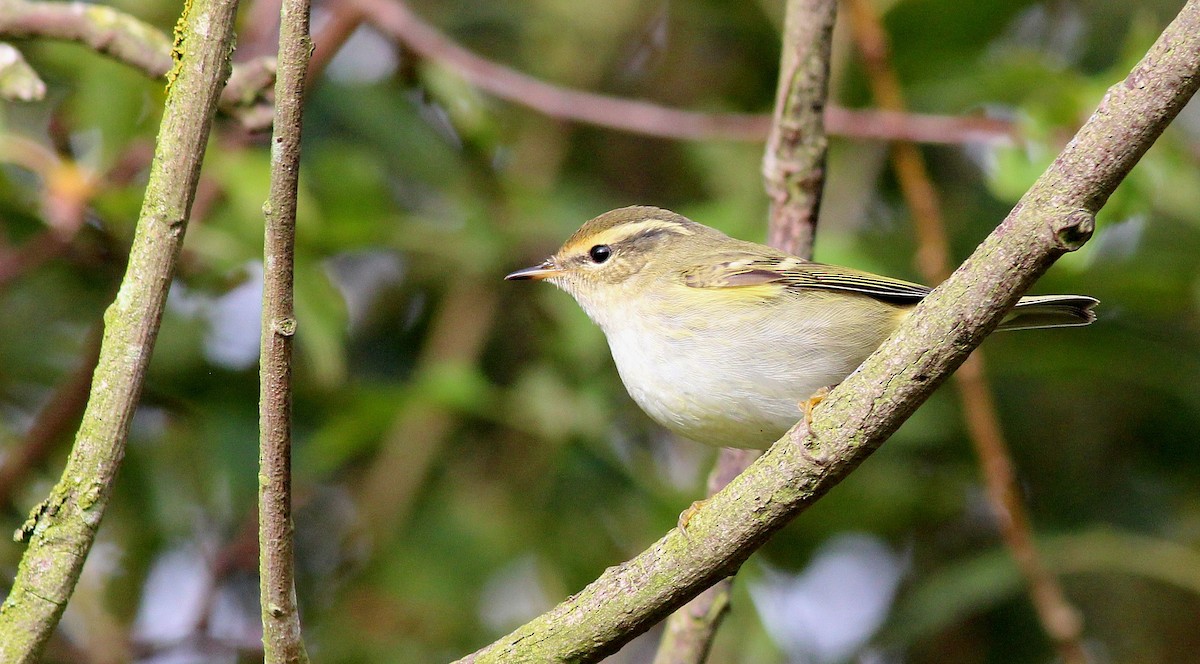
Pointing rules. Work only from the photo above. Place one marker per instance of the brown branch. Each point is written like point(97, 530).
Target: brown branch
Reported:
point(689, 632)
point(119, 36)
point(139, 45)
point(794, 163)
point(398, 22)
point(53, 422)
point(1059, 619)
point(60, 530)
point(1056, 215)
point(282, 641)
point(341, 24)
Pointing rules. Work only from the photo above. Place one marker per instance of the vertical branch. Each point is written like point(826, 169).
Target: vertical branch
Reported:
point(282, 640)
point(60, 531)
point(794, 163)
point(1059, 619)
point(794, 175)
point(689, 632)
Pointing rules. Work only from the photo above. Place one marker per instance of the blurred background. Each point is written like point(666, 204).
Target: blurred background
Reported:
point(466, 456)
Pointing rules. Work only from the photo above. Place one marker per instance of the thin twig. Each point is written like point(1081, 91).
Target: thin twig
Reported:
point(1056, 215)
point(282, 640)
point(338, 28)
point(1060, 620)
point(53, 422)
point(60, 531)
point(119, 36)
point(139, 45)
point(397, 21)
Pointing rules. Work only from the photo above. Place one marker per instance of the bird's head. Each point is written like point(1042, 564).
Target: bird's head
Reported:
point(622, 256)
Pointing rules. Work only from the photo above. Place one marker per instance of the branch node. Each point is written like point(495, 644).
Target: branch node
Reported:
point(1074, 229)
point(284, 327)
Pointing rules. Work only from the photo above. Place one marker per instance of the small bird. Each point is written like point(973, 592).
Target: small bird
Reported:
point(721, 340)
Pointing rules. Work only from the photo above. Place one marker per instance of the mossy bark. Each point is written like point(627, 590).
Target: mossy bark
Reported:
point(60, 530)
point(1056, 216)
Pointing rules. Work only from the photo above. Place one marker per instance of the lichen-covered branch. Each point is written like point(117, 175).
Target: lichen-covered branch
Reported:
point(1060, 620)
point(123, 38)
point(794, 163)
point(689, 632)
point(60, 530)
point(282, 641)
point(1056, 216)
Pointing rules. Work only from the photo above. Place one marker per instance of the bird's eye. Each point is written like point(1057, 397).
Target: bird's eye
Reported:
point(600, 253)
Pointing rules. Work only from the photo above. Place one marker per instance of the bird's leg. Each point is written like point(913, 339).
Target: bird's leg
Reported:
point(808, 404)
point(686, 515)
point(807, 407)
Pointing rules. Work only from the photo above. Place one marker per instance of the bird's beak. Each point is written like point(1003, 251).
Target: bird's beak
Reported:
point(537, 272)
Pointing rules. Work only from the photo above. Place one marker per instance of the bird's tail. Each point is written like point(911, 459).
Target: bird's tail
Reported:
point(1036, 311)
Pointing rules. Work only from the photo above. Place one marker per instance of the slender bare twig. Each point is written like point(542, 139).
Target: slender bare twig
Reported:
point(121, 37)
point(137, 44)
point(1059, 619)
point(60, 530)
point(640, 117)
point(341, 24)
point(1056, 216)
point(282, 641)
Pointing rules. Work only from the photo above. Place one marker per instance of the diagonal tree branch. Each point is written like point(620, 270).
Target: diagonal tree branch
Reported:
point(1059, 619)
point(60, 530)
point(139, 45)
point(282, 641)
point(1056, 215)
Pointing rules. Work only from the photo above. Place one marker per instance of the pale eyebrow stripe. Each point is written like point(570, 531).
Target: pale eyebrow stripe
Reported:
point(627, 232)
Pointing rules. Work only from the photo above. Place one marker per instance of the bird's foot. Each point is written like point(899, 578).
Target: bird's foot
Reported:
point(799, 435)
point(686, 515)
point(810, 403)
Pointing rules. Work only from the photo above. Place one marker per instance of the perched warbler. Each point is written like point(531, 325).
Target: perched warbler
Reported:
point(721, 340)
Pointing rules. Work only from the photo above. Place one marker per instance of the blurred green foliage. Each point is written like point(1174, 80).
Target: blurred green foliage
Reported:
point(466, 455)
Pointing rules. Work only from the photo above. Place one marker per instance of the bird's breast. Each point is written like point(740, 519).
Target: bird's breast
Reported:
point(724, 383)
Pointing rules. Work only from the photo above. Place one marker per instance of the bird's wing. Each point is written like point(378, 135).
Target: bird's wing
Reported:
point(795, 274)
